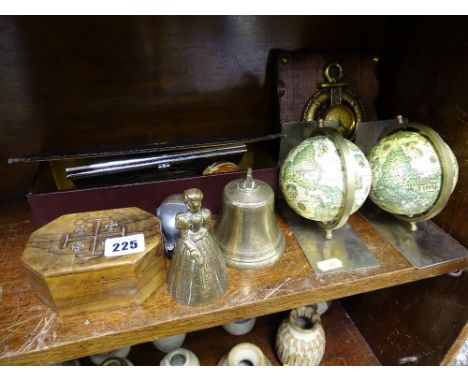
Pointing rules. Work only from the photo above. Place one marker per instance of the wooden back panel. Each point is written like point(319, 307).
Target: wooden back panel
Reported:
point(424, 76)
point(421, 319)
point(89, 82)
point(300, 73)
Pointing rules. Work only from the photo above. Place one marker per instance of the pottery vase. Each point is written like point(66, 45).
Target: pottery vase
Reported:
point(245, 354)
point(117, 361)
point(72, 362)
point(169, 344)
point(300, 340)
point(98, 359)
point(180, 357)
point(240, 327)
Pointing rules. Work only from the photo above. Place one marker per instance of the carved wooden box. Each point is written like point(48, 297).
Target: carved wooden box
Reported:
point(67, 268)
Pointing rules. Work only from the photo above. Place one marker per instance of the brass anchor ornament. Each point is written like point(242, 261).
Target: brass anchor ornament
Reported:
point(334, 102)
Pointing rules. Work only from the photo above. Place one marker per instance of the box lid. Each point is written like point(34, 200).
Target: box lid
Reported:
point(74, 243)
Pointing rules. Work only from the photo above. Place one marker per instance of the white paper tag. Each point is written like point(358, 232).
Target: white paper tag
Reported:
point(125, 245)
point(328, 265)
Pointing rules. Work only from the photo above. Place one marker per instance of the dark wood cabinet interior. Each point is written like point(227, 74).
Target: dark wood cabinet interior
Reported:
point(77, 83)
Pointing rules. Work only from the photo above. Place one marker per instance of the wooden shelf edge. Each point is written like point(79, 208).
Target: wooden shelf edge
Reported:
point(344, 343)
point(288, 284)
point(215, 318)
point(457, 347)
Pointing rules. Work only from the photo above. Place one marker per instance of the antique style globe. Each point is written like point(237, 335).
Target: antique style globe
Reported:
point(318, 177)
point(413, 172)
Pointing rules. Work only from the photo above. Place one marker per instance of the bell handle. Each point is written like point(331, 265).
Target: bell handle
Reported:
point(249, 182)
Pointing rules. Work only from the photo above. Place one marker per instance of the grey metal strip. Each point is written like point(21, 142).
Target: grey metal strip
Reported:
point(346, 245)
point(427, 246)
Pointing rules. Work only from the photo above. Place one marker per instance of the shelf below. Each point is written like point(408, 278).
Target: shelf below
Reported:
point(345, 344)
point(31, 333)
point(458, 352)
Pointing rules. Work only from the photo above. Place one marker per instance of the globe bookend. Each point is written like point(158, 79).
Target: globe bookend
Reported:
point(414, 173)
point(325, 178)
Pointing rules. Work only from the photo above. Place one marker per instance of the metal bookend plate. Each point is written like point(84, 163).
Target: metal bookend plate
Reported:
point(343, 253)
point(427, 246)
point(295, 132)
point(367, 134)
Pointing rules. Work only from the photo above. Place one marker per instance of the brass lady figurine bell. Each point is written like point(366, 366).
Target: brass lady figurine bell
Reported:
point(197, 274)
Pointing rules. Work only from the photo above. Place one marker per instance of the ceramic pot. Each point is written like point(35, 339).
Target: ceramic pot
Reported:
point(300, 340)
point(240, 327)
point(72, 362)
point(117, 361)
point(98, 359)
point(245, 354)
point(169, 344)
point(180, 357)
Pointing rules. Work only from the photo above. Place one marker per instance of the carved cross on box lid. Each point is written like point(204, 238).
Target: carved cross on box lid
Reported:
point(67, 268)
point(75, 242)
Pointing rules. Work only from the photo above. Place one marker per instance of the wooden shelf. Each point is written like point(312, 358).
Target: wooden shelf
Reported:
point(31, 333)
point(458, 352)
point(345, 345)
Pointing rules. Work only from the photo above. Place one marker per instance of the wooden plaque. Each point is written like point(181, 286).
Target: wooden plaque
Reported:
point(301, 72)
point(69, 271)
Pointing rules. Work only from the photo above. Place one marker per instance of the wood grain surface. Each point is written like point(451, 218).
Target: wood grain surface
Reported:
point(344, 343)
point(70, 285)
point(300, 73)
point(458, 352)
point(94, 82)
point(31, 333)
point(424, 77)
point(421, 319)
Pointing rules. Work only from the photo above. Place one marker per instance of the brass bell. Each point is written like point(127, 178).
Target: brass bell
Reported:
point(247, 231)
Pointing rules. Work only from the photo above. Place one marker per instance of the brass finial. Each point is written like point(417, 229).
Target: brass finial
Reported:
point(249, 182)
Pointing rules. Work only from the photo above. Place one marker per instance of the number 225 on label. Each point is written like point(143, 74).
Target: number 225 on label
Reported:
point(125, 245)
